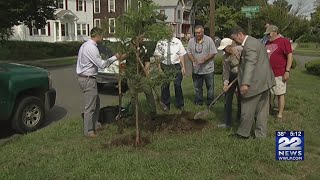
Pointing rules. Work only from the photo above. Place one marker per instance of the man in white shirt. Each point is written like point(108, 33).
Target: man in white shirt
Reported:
point(89, 60)
point(171, 52)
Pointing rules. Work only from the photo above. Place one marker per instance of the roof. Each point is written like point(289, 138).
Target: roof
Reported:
point(188, 4)
point(66, 14)
point(167, 2)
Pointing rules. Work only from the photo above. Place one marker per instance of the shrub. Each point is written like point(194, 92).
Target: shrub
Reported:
point(313, 67)
point(28, 50)
point(218, 64)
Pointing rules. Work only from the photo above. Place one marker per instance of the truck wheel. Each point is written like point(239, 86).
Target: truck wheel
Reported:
point(29, 114)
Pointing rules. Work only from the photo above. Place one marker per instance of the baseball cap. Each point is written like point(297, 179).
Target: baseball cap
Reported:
point(224, 43)
point(271, 28)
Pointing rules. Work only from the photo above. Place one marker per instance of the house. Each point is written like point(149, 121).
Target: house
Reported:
point(74, 20)
point(179, 13)
point(106, 11)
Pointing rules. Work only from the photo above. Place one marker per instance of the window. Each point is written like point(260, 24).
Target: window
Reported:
point(81, 29)
point(35, 31)
point(179, 14)
point(112, 5)
point(84, 29)
point(80, 5)
point(96, 6)
point(39, 32)
point(127, 6)
point(43, 31)
point(112, 24)
point(59, 4)
point(97, 23)
point(63, 30)
point(162, 12)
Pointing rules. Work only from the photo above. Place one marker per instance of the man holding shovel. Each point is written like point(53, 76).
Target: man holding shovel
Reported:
point(255, 80)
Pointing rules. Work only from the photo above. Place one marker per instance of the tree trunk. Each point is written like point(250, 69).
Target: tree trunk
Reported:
point(137, 100)
point(137, 122)
point(212, 19)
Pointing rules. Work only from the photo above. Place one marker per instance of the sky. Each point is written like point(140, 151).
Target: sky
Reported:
point(308, 5)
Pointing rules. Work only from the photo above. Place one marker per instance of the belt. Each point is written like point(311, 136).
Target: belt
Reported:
point(85, 76)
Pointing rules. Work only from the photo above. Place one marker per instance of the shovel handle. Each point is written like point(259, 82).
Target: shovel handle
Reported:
point(221, 94)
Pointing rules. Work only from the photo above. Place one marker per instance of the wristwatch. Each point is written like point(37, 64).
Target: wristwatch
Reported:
point(287, 71)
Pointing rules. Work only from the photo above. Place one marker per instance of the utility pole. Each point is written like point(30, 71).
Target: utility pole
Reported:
point(212, 18)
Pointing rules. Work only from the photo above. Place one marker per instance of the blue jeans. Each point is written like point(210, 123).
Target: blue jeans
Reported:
point(165, 89)
point(198, 84)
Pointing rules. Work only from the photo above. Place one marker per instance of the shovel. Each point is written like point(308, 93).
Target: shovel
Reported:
point(205, 113)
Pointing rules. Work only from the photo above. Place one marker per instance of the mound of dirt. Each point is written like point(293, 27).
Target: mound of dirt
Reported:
point(166, 123)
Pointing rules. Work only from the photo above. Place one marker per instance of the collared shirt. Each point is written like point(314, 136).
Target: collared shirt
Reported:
point(176, 50)
point(244, 41)
point(201, 50)
point(230, 64)
point(89, 59)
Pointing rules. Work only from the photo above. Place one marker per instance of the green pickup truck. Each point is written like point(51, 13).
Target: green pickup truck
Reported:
point(25, 94)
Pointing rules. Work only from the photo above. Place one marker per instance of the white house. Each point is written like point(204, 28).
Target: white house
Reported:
point(180, 14)
point(74, 20)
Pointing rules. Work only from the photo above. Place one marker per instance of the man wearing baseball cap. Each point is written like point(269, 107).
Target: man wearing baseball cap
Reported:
point(280, 55)
point(232, 54)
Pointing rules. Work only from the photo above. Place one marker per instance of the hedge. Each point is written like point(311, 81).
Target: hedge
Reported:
point(28, 50)
point(313, 67)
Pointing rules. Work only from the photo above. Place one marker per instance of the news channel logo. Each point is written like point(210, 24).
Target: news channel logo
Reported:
point(290, 145)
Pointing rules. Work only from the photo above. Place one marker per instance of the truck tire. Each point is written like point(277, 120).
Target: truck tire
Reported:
point(29, 114)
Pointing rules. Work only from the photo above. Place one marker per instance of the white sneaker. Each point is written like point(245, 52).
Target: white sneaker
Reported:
point(222, 126)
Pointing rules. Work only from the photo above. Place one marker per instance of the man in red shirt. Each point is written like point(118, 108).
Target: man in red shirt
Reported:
point(280, 55)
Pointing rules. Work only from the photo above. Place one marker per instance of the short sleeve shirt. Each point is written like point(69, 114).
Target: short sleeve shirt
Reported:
point(202, 50)
point(278, 51)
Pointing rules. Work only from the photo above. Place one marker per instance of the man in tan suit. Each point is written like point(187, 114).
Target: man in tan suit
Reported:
point(255, 80)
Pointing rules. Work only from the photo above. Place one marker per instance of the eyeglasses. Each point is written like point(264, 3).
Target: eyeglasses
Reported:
point(198, 47)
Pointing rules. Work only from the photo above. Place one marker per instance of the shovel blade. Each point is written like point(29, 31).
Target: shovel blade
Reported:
point(163, 107)
point(201, 114)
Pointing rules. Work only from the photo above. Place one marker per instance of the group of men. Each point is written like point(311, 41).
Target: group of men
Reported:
point(255, 75)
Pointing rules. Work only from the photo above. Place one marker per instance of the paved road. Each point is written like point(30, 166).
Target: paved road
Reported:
point(69, 102)
point(301, 60)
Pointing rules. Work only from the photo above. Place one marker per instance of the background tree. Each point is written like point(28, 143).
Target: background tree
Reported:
point(315, 24)
point(138, 31)
point(290, 19)
point(15, 12)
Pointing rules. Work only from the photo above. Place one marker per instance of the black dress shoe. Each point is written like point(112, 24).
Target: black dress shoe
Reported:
point(237, 136)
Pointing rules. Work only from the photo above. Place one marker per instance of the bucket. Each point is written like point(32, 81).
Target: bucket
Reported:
point(108, 114)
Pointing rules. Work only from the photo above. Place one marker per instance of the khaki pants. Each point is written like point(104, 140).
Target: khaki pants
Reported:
point(254, 109)
point(92, 104)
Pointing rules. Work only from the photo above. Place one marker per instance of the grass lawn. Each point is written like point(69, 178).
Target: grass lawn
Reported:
point(60, 151)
